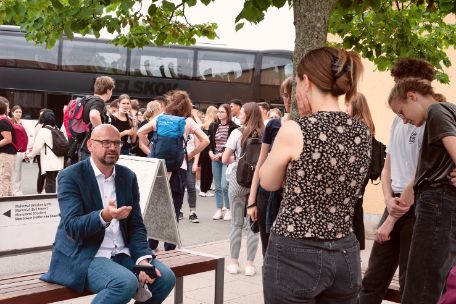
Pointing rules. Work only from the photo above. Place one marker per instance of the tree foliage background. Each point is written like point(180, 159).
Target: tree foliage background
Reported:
point(381, 30)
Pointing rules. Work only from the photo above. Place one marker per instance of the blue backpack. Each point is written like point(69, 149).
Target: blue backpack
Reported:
point(168, 141)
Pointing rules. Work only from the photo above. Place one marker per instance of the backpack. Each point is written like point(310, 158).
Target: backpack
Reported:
point(247, 161)
point(75, 126)
point(19, 136)
point(168, 141)
point(60, 145)
point(378, 159)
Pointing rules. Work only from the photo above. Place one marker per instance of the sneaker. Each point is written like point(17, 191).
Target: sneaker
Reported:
point(218, 215)
point(233, 268)
point(193, 217)
point(227, 215)
point(210, 194)
point(181, 216)
point(249, 270)
point(203, 194)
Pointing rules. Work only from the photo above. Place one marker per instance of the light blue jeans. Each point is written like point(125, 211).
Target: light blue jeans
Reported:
point(239, 196)
point(220, 183)
point(114, 282)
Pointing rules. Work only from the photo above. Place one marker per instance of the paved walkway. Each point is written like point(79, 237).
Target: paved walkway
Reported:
point(239, 289)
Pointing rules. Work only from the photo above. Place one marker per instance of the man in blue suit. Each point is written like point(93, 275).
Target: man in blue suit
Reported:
point(101, 234)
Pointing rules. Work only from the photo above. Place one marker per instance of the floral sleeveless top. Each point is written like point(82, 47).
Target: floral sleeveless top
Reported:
point(322, 186)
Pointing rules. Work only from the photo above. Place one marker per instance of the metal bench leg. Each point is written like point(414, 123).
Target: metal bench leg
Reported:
point(219, 281)
point(179, 291)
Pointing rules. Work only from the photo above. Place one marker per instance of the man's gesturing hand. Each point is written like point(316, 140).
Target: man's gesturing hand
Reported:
point(112, 212)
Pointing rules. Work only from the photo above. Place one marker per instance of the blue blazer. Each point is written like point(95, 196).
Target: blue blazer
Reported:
point(80, 231)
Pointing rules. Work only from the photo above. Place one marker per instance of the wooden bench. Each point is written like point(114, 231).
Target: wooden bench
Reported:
point(28, 288)
point(392, 293)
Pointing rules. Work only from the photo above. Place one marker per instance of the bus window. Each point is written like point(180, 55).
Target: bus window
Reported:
point(225, 66)
point(275, 69)
point(92, 56)
point(162, 62)
point(17, 52)
point(31, 102)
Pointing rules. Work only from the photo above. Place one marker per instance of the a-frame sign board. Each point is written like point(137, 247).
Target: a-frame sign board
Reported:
point(155, 197)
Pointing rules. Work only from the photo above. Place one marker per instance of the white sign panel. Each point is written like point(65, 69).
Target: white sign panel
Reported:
point(155, 197)
point(28, 221)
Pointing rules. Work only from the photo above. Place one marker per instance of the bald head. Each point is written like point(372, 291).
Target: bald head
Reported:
point(104, 146)
point(105, 132)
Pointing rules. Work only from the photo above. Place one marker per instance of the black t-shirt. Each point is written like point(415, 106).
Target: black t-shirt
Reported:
point(121, 125)
point(435, 164)
point(271, 130)
point(6, 126)
point(95, 103)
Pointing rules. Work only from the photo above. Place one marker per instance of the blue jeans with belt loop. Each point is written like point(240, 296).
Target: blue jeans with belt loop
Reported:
point(312, 271)
point(432, 250)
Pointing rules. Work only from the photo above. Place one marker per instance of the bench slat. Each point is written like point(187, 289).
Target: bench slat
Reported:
point(28, 288)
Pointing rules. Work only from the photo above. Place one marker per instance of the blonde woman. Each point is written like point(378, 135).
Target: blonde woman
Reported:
point(152, 110)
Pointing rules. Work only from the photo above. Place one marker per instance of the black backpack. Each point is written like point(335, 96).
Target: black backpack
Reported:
point(378, 159)
point(60, 144)
point(250, 153)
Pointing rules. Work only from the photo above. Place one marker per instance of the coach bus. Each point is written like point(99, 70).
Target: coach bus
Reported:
point(36, 77)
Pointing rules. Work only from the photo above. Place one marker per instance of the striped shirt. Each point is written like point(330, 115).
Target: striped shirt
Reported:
point(221, 136)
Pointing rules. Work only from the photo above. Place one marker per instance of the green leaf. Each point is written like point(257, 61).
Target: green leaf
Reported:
point(279, 3)
point(68, 31)
point(152, 10)
point(169, 6)
point(239, 26)
point(190, 3)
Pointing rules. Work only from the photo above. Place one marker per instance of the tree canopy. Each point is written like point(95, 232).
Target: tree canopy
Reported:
point(381, 30)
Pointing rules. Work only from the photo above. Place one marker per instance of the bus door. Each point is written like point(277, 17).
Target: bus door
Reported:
point(57, 102)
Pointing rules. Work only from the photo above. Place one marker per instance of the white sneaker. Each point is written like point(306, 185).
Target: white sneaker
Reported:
point(203, 194)
point(218, 215)
point(249, 270)
point(227, 215)
point(210, 194)
point(233, 268)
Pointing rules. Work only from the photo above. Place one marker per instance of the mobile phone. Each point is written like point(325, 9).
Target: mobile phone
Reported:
point(254, 225)
point(149, 270)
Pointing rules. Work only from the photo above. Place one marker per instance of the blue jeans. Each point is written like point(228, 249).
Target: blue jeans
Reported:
point(311, 271)
point(114, 282)
point(220, 183)
point(432, 250)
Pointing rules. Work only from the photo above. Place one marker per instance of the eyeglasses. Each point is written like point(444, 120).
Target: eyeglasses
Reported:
point(107, 143)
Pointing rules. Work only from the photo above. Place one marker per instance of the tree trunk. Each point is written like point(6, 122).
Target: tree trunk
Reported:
point(311, 18)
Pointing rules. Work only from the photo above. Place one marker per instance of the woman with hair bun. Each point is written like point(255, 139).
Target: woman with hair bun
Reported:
point(322, 159)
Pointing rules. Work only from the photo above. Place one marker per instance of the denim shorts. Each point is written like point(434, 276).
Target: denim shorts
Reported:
point(311, 270)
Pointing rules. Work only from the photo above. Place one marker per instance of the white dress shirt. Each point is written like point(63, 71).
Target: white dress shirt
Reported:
point(113, 242)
